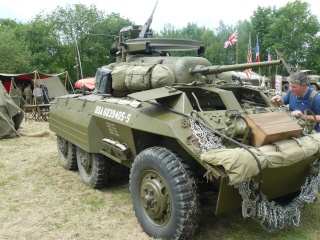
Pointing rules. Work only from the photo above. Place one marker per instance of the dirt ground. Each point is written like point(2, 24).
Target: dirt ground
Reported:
point(41, 200)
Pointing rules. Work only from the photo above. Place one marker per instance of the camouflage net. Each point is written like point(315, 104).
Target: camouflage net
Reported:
point(271, 217)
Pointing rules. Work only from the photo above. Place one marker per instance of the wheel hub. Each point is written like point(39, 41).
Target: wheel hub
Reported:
point(86, 161)
point(155, 198)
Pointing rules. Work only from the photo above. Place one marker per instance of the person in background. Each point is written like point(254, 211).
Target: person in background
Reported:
point(298, 98)
point(37, 93)
point(19, 90)
point(28, 94)
point(45, 93)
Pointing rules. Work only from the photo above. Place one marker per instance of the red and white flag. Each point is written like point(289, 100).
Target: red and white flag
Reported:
point(269, 56)
point(232, 39)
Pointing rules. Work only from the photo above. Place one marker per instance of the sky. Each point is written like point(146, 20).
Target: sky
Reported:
point(205, 13)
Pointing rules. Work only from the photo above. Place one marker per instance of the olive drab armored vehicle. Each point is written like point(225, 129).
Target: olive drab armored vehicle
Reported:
point(184, 129)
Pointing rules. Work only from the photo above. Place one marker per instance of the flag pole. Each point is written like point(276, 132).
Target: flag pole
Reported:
point(258, 54)
point(249, 56)
point(237, 49)
point(269, 59)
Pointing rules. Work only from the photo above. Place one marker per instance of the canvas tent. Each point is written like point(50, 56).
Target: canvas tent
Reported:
point(11, 115)
point(51, 81)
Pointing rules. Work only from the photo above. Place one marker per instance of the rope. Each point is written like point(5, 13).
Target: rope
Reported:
point(1, 115)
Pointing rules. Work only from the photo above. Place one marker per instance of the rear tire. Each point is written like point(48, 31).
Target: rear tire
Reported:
point(94, 168)
point(164, 194)
point(314, 87)
point(67, 154)
point(285, 87)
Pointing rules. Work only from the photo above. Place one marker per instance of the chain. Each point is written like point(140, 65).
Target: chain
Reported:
point(271, 217)
point(206, 138)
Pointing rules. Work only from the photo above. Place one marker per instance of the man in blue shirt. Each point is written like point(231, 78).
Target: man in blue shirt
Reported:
point(298, 98)
point(45, 93)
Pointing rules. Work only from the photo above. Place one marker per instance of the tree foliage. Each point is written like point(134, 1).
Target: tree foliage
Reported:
point(293, 32)
point(16, 57)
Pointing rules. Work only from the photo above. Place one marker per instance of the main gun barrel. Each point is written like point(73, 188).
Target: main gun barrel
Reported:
point(225, 68)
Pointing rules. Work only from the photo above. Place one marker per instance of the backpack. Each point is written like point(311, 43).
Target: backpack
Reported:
point(312, 95)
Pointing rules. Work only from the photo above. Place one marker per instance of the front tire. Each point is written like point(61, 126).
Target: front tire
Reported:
point(164, 194)
point(94, 168)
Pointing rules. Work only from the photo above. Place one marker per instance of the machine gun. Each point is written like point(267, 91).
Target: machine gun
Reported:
point(144, 33)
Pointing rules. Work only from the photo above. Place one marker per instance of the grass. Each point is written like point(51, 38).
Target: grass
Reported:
point(41, 200)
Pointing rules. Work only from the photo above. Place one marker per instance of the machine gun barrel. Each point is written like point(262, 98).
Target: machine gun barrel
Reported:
point(225, 68)
point(147, 25)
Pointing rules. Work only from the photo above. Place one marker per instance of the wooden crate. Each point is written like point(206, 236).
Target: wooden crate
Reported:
point(271, 127)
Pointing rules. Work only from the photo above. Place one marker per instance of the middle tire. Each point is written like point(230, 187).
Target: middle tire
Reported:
point(94, 168)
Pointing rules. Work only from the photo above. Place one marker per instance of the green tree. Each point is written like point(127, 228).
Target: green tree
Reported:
point(218, 54)
point(313, 61)
point(293, 32)
point(41, 41)
point(16, 57)
point(262, 20)
point(168, 31)
point(68, 39)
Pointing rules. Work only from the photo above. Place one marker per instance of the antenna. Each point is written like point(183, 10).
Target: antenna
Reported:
point(78, 55)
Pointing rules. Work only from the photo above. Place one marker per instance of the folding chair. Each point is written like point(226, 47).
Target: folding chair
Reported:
point(29, 112)
point(42, 114)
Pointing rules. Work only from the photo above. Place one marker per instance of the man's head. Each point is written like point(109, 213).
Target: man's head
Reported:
point(298, 77)
point(298, 83)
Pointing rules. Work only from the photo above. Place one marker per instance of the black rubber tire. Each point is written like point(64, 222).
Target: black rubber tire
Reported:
point(67, 154)
point(164, 194)
point(94, 168)
point(285, 87)
point(314, 87)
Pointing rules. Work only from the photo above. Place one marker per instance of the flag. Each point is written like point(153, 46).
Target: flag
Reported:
point(249, 58)
point(269, 56)
point(232, 39)
point(256, 51)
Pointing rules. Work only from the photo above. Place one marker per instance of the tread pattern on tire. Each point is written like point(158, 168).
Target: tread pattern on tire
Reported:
point(100, 172)
point(183, 187)
point(68, 162)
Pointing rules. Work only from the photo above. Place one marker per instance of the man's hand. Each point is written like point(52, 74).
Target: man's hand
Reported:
point(298, 114)
point(278, 100)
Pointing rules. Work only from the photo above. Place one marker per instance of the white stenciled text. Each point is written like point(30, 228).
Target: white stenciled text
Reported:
point(113, 114)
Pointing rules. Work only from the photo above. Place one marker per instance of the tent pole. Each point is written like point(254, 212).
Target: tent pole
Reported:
point(15, 86)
